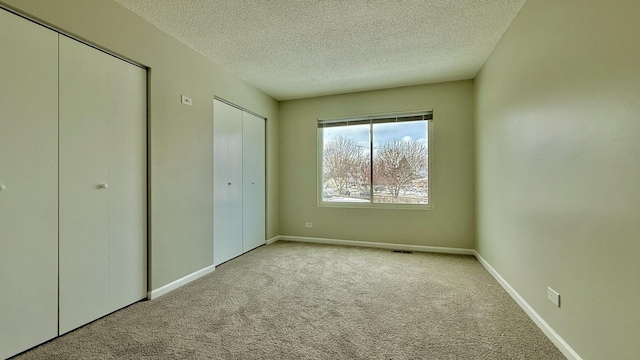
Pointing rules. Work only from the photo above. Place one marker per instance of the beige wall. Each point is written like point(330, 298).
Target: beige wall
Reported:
point(181, 140)
point(558, 167)
point(450, 224)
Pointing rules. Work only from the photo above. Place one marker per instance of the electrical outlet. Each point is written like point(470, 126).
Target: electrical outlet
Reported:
point(308, 225)
point(185, 100)
point(553, 296)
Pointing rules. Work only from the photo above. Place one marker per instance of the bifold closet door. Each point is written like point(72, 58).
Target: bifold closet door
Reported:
point(127, 183)
point(102, 184)
point(253, 174)
point(28, 184)
point(227, 182)
point(84, 176)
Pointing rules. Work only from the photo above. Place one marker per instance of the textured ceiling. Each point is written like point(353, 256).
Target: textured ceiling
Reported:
point(295, 49)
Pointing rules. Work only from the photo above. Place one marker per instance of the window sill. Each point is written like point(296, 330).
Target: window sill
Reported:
point(367, 205)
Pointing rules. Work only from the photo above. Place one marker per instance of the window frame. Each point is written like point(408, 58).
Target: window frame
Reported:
point(371, 204)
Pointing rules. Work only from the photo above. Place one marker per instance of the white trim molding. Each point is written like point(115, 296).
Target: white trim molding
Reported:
point(537, 319)
point(272, 240)
point(154, 294)
point(404, 247)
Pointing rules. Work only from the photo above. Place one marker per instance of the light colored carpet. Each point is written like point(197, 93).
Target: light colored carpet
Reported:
point(306, 301)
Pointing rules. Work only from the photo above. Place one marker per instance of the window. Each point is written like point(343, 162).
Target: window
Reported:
point(375, 161)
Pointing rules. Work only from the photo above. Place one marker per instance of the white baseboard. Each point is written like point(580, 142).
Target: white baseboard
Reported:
point(421, 248)
point(537, 319)
point(272, 240)
point(154, 294)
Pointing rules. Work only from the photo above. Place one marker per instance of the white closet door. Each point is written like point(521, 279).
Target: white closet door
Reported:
point(28, 184)
point(253, 194)
point(127, 184)
point(227, 182)
point(84, 197)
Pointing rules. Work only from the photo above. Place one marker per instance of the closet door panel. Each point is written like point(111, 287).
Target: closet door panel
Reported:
point(253, 196)
point(227, 182)
point(28, 184)
point(84, 277)
point(127, 184)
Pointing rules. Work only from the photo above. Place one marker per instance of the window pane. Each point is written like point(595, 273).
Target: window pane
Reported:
point(400, 163)
point(346, 164)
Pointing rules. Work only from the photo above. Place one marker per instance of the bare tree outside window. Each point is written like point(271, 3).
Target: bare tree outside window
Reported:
point(341, 163)
point(397, 165)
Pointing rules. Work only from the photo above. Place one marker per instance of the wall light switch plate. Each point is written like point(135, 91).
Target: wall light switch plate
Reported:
point(308, 225)
point(553, 296)
point(185, 100)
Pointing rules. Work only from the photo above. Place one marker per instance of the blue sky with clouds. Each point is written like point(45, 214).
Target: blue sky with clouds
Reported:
point(414, 130)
